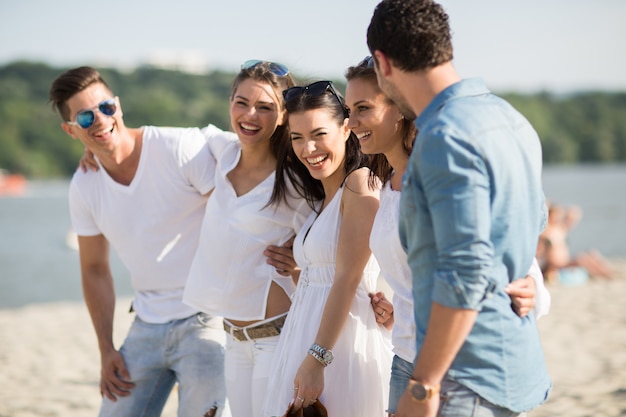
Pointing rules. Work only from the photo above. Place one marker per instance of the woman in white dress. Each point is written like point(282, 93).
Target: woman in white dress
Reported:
point(331, 319)
point(383, 132)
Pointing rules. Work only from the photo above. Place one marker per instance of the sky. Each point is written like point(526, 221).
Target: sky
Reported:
point(525, 46)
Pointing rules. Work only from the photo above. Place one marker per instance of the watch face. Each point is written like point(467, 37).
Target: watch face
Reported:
point(328, 356)
point(418, 391)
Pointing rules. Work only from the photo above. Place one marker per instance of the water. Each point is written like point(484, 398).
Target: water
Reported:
point(37, 265)
point(600, 191)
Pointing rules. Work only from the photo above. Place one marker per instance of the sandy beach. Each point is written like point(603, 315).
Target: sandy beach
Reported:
point(50, 362)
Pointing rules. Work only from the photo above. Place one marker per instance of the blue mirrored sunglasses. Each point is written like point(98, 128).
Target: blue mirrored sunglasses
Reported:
point(275, 68)
point(86, 118)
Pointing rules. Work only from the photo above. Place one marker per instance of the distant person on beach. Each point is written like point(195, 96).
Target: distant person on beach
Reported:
point(471, 210)
point(553, 251)
point(331, 349)
point(230, 275)
point(388, 137)
point(147, 201)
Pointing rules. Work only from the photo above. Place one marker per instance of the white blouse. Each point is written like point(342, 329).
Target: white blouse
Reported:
point(229, 275)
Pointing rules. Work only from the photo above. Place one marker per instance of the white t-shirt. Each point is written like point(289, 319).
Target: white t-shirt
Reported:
point(229, 275)
point(153, 223)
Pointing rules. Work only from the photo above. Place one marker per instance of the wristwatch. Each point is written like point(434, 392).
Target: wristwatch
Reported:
point(323, 355)
point(422, 392)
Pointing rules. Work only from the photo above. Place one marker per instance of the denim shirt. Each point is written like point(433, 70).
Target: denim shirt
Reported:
point(471, 210)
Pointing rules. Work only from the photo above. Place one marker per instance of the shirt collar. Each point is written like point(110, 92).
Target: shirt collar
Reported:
point(468, 87)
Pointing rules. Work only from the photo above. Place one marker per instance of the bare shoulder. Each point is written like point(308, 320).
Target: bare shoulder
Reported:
point(360, 182)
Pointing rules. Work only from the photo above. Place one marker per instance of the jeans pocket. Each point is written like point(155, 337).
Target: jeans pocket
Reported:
point(456, 400)
point(209, 321)
point(266, 344)
point(486, 408)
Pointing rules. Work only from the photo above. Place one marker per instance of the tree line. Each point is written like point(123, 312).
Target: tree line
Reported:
point(574, 128)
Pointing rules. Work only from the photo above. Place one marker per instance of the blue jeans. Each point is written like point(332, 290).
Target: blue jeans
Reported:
point(188, 351)
point(458, 401)
point(401, 372)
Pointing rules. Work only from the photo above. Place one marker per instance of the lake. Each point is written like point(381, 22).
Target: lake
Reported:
point(37, 265)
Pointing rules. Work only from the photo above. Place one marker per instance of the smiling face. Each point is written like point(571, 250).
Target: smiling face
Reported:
point(319, 142)
point(104, 134)
point(373, 118)
point(255, 112)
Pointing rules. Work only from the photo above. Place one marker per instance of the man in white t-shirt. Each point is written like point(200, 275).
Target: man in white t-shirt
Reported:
point(147, 201)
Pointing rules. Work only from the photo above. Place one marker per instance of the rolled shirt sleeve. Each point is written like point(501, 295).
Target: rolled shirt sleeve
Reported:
point(457, 184)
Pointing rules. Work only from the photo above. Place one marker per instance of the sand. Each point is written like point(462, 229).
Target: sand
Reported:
point(49, 360)
point(584, 340)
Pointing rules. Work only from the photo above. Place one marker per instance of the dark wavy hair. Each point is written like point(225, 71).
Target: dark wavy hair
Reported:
point(414, 34)
point(378, 163)
point(289, 166)
point(264, 74)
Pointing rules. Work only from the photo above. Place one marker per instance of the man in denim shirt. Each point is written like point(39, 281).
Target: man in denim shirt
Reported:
point(472, 208)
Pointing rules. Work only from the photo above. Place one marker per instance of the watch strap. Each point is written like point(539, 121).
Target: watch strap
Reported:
point(323, 355)
point(318, 357)
point(319, 349)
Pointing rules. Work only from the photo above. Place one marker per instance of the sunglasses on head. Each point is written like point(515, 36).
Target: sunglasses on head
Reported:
point(368, 62)
point(314, 89)
point(275, 68)
point(86, 118)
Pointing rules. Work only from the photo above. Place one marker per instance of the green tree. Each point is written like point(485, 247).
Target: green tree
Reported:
point(581, 127)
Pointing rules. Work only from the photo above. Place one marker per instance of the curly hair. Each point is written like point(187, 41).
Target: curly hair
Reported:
point(414, 34)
